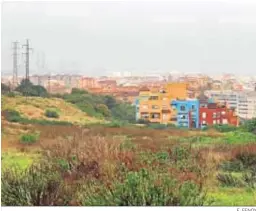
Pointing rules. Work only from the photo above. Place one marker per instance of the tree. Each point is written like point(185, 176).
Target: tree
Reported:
point(28, 89)
point(103, 109)
point(110, 102)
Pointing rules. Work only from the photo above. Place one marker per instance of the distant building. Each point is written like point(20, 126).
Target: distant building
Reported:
point(242, 101)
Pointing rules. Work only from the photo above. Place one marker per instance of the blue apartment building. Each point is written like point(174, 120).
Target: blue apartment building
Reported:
point(187, 112)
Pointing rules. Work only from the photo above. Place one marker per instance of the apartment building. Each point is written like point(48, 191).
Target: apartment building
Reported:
point(155, 106)
point(187, 114)
point(251, 101)
point(241, 101)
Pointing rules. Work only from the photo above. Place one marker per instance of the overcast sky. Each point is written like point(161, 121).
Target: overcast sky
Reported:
point(94, 37)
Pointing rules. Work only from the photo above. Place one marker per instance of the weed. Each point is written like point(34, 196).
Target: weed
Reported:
point(29, 138)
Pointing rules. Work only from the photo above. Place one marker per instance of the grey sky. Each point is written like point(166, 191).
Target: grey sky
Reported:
point(90, 37)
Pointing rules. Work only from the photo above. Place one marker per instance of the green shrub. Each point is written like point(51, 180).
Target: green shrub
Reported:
point(12, 115)
point(225, 128)
point(29, 138)
point(230, 180)
point(146, 189)
point(250, 125)
point(39, 185)
point(51, 113)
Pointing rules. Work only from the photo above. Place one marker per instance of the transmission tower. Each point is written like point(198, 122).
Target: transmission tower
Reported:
point(15, 64)
point(27, 58)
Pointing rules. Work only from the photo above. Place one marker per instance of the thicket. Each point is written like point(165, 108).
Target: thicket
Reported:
point(101, 105)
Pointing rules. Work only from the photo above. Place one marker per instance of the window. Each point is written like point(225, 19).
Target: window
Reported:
point(183, 117)
point(214, 122)
point(155, 116)
point(145, 106)
point(182, 108)
point(204, 122)
point(155, 107)
point(144, 115)
point(223, 112)
point(165, 98)
point(214, 115)
point(165, 116)
point(204, 115)
point(224, 121)
point(193, 107)
point(218, 121)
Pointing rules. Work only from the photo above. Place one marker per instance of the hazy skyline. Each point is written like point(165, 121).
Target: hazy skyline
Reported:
point(93, 37)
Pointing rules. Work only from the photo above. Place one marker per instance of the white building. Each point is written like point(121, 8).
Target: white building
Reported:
point(243, 102)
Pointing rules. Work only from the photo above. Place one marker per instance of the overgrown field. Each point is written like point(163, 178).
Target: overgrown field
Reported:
point(103, 165)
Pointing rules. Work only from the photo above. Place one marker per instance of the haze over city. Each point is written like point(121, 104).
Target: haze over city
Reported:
point(95, 38)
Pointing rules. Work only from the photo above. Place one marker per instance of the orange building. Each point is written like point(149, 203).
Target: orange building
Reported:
point(88, 83)
point(156, 106)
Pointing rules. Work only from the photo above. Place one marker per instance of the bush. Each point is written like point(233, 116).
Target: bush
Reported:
point(26, 88)
point(12, 115)
point(146, 189)
point(39, 185)
point(29, 138)
point(250, 125)
point(51, 114)
point(225, 128)
point(229, 180)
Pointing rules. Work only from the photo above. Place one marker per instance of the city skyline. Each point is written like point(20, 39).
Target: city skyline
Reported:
point(93, 38)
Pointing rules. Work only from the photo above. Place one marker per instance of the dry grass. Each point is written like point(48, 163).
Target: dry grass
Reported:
point(34, 108)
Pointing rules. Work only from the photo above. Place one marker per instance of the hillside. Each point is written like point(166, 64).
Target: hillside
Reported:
point(35, 107)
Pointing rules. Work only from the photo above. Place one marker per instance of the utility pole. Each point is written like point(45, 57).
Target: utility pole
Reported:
point(27, 58)
point(15, 65)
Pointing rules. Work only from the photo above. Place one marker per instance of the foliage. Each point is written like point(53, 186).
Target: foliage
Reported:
point(12, 115)
point(225, 128)
point(26, 88)
point(51, 113)
point(5, 88)
point(146, 188)
point(101, 106)
point(143, 121)
point(239, 137)
point(229, 180)
point(250, 125)
point(38, 185)
point(78, 91)
point(29, 138)
point(103, 109)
